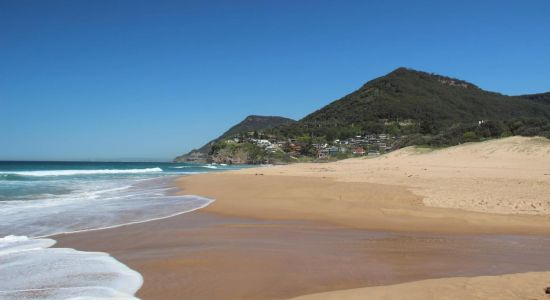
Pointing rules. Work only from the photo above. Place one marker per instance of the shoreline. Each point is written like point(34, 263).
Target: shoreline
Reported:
point(181, 256)
point(327, 231)
point(204, 255)
point(129, 223)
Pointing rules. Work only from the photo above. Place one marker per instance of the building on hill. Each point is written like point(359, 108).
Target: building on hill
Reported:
point(322, 154)
point(373, 153)
point(333, 150)
point(295, 149)
point(359, 151)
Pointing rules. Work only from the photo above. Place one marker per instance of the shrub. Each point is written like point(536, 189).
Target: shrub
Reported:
point(469, 136)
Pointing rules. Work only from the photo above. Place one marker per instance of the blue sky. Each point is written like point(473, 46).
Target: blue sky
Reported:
point(110, 79)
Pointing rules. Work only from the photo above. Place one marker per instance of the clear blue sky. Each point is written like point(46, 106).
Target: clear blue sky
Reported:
point(108, 79)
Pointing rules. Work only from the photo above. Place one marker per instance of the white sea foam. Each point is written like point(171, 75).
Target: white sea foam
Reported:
point(107, 205)
point(208, 201)
point(59, 273)
point(81, 172)
point(198, 166)
point(31, 269)
point(12, 244)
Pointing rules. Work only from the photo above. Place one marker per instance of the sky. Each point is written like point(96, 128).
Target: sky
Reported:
point(149, 80)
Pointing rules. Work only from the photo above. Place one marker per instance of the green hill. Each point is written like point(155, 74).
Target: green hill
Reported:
point(543, 98)
point(406, 94)
point(407, 101)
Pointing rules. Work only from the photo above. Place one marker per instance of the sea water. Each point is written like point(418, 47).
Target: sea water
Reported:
point(41, 199)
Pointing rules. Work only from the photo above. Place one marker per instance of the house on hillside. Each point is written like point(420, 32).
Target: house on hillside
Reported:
point(333, 150)
point(295, 149)
point(373, 153)
point(322, 154)
point(272, 148)
point(263, 143)
point(359, 151)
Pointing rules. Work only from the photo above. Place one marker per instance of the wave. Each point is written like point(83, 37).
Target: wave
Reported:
point(79, 172)
point(197, 167)
point(94, 204)
point(14, 177)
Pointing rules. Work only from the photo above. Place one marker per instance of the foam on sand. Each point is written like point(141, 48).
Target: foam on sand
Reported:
point(61, 273)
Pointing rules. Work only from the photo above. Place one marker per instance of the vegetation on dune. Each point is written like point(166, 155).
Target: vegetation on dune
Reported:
point(464, 132)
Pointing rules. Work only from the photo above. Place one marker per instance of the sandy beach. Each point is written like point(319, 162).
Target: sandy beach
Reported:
point(443, 224)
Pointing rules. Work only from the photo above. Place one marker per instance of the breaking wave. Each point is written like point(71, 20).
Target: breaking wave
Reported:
point(80, 172)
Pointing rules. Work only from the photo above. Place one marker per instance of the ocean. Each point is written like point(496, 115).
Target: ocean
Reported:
point(41, 199)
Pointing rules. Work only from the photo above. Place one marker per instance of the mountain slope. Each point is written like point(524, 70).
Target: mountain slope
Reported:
point(250, 123)
point(408, 94)
point(543, 98)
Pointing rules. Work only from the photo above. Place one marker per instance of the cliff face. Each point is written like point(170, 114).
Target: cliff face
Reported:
point(233, 158)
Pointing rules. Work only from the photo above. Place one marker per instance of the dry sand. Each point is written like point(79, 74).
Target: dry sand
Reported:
point(506, 287)
point(300, 229)
point(506, 176)
point(354, 204)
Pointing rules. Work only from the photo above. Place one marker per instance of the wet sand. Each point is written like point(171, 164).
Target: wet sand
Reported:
point(208, 256)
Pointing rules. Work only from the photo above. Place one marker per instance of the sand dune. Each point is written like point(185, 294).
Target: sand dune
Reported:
point(505, 287)
point(505, 176)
